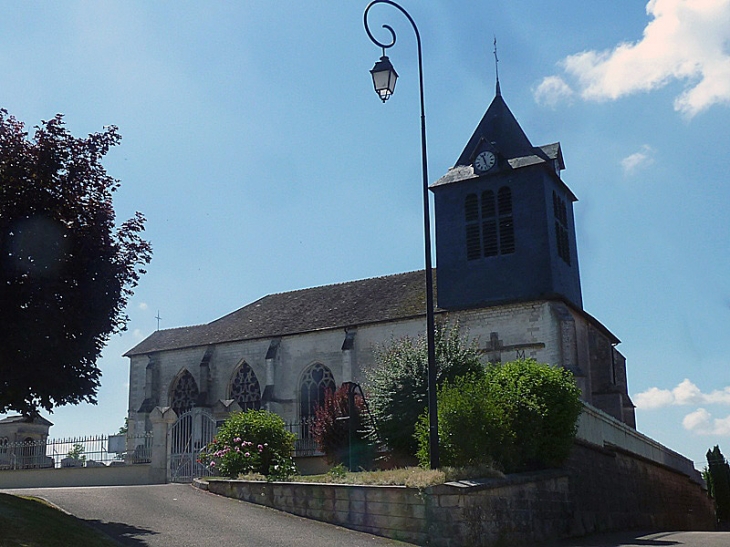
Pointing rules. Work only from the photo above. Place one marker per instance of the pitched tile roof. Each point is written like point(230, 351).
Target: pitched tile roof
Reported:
point(373, 300)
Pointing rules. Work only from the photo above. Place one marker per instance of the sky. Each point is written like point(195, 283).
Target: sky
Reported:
point(254, 144)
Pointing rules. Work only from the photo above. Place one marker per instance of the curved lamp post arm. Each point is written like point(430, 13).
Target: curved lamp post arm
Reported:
point(430, 322)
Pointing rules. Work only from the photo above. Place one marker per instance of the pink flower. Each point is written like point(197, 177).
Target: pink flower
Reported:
point(247, 454)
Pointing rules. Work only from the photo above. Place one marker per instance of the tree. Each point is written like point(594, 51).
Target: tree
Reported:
point(520, 416)
point(66, 270)
point(332, 431)
point(719, 485)
point(397, 384)
point(77, 453)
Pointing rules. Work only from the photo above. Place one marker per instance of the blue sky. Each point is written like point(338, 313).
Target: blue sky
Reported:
point(264, 162)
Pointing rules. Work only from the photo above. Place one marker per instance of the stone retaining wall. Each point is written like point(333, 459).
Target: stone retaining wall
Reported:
point(598, 490)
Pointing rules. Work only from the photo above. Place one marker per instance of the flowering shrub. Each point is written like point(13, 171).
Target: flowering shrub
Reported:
point(254, 441)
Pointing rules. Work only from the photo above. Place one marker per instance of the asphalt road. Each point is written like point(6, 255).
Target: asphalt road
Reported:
point(661, 539)
point(178, 515)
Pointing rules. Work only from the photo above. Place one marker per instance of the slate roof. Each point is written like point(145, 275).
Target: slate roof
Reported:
point(40, 420)
point(373, 300)
point(500, 129)
point(539, 154)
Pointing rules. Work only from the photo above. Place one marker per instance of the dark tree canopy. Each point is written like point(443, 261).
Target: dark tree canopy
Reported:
point(66, 269)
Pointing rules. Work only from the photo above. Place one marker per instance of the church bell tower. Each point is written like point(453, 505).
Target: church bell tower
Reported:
point(504, 220)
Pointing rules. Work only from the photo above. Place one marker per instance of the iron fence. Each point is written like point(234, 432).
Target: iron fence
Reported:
point(91, 451)
point(305, 444)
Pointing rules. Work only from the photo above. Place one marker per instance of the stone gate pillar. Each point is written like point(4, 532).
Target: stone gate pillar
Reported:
point(162, 418)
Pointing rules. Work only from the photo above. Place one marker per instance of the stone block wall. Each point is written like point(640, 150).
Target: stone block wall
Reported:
point(613, 489)
point(598, 490)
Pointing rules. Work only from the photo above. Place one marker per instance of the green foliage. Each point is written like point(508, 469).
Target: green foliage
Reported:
point(719, 483)
point(469, 430)
point(66, 269)
point(397, 385)
point(338, 472)
point(77, 452)
point(331, 429)
point(254, 441)
point(519, 416)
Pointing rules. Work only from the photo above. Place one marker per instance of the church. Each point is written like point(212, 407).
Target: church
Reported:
point(506, 271)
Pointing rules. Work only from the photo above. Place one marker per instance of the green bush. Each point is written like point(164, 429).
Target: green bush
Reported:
point(397, 385)
point(520, 416)
point(469, 432)
point(331, 430)
point(254, 441)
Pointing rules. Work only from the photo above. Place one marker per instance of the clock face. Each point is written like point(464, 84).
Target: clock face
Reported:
point(484, 162)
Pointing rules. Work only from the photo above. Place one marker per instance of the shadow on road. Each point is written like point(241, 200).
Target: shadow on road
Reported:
point(637, 539)
point(123, 533)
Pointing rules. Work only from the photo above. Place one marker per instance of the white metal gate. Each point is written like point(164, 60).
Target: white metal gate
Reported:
point(191, 433)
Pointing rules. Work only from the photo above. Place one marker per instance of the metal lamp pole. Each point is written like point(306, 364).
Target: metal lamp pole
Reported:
point(384, 77)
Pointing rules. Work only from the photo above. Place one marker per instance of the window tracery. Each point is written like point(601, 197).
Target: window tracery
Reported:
point(185, 394)
point(317, 380)
point(245, 388)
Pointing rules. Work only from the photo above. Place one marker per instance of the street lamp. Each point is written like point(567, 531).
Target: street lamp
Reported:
point(384, 77)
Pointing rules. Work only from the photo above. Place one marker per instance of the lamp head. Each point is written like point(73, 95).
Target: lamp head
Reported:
point(384, 78)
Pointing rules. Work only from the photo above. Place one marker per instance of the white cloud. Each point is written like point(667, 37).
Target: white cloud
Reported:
point(685, 40)
point(137, 333)
point(701, 422)
point(637, 160)
point(143, 306)
point(552, 90)
point(686, 393)
point(653, 398)
point(698, 421)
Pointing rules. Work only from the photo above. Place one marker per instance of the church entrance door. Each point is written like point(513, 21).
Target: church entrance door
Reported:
point(188, 436)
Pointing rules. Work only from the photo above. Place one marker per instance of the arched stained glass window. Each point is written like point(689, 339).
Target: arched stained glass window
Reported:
point(316, 381)
point(245, 388)
point(185, 393)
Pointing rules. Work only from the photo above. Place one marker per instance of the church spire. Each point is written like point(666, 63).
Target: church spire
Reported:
point(498, 91)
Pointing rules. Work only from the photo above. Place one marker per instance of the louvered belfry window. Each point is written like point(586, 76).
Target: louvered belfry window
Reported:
point(560, 212)
point(489, 224)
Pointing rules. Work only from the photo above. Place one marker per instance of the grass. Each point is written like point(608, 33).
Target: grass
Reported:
point(31, 522)
point(413, 477)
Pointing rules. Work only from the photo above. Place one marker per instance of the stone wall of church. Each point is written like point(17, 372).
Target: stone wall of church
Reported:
point(550, 332)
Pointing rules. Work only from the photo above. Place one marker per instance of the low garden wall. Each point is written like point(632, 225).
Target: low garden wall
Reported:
point(112, 475)
point(615, 479)
point(598, 490)
point(518, 510)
